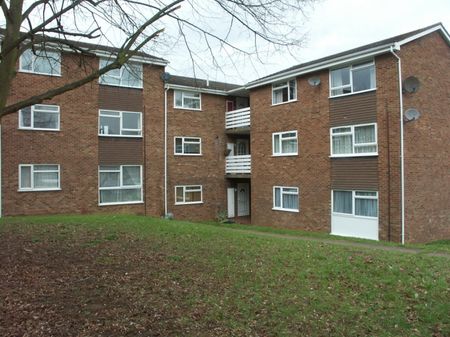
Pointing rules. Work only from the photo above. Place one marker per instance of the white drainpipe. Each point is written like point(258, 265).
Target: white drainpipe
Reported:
point(165, 151)
point(402, 158)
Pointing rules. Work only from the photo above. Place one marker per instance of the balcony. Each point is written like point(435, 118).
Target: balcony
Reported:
point(238, 166)
point(238, 120)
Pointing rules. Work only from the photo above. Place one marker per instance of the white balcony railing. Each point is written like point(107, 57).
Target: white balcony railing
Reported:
point(237, 118)
point(238, 164)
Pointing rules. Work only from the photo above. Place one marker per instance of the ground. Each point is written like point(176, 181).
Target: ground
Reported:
point(138, 276)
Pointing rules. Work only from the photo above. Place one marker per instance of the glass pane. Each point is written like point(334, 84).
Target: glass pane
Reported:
point(366, 149)
point(47, 62)
point(290, 190)
point(178, 145)
point(365, 134)
point(289, 146)
point(45, 120)
point(290, 201)
point(26, 60)
point(109, 179)
point(340, 77)
point(193, 188)
point(131, 133)
point(53, 108)
point(109, 125)
point(192, 148)
point(276, 144)
point(277, 96)
point(372, 194)
point(109, 196)
point(342, 130)
point(363, 79)
point(25, 177)
point(292, 91)
point(131, 120)
point(109, 168)
point(193, 196)
point(131, 175)
point(180, 196)
point(132, 75)
point(191, 103)
point(120, 195)
point(46, 167)
point(25, 117)
point(45, 179)
point(342, 202)
point(178, 99)
point(278, 197)
point(130, 195)
point(342, 144)
point(366, 207)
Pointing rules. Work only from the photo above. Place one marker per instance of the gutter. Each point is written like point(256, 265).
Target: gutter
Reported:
point(165, 151)
point(402, 157)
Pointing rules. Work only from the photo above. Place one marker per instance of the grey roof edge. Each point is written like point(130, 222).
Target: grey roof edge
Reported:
point(102, 50)
point(361, 52)
point(202, 85)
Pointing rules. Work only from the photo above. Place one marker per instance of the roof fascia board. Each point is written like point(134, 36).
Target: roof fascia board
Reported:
point(196, 89)
point(426, 32)
point(322, 65)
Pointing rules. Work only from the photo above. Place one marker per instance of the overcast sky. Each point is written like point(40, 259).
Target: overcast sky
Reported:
point(333, 26)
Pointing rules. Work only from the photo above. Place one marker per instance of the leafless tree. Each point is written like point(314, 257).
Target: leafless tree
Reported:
point(36, 25)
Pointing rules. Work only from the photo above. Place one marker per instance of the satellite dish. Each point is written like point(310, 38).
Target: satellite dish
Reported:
point(314, 81)
point(411, 84)
point(165, 76)
point(412, 115)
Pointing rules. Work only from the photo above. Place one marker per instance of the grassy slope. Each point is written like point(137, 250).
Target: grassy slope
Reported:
point(230, 283)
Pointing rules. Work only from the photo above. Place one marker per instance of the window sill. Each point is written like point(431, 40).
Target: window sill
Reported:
point(38, 129)
point(119, 136)
point(121, 203)
point(190, 109)
point(285, 210)
point(121, 86)
point(39, 190)
point(352, 93)
point(188, 155)
point(188, 203)
point(287, 102)
point(35, 73)
point(355, 155)
point(285, 155)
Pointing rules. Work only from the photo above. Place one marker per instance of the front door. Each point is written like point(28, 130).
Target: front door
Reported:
point(243, 199)
point(242, 147)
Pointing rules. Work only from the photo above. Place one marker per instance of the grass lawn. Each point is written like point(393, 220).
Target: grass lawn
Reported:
point(137, 276)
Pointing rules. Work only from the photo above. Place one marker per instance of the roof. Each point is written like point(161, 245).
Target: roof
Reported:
point(371, 49)
point(100, 50)
point(201, 83)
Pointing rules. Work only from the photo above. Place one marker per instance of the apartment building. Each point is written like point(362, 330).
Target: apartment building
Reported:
point(353, 144)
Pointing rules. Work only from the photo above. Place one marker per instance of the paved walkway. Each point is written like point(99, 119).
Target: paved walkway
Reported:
point(345, 243)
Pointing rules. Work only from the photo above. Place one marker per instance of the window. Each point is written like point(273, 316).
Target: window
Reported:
point(188, 146)
point(41, 177)
point(355, 140)
point(285, 198)
point(120, 184)
point(356, 203)
point(42, 62)
point(285, 143)
point(129, 75)
point(187, 100)
point(284, 92)
point(39, 117)
point(120, 123)
point(188, 194)
point(352, 79)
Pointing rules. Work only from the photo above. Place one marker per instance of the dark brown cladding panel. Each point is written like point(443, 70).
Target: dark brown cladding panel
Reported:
point(120, 151)
point(119, 98)
point(353, 109)
point(354, 173)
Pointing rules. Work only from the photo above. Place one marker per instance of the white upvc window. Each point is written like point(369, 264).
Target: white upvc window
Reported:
point(42, 62)
point(40, 117)
point(352, 79)
point(187, 100)
point(285, 143)
point(188, 194)
point(120, 184)
point(39, 177)
point(129, 75)
point(285, 198)
point(284, 92)
point(188, 146)
point(354, 140)
point(355, 203)
point(119, 123)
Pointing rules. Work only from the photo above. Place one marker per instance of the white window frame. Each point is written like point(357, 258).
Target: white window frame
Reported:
point(286, 85)
point(121, 123)
point(184, 202)
point(32, 188)
point(22, 70)
point(121, 69)
point(351, 69)
point(33, 110)
point(352, 132)
point(121, 186)
point(354, 197)
point(183, 93)
point(275, 208)
point(280, 134)
point(184, 141)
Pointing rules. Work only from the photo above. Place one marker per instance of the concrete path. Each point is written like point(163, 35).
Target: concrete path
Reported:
point(345, 243)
